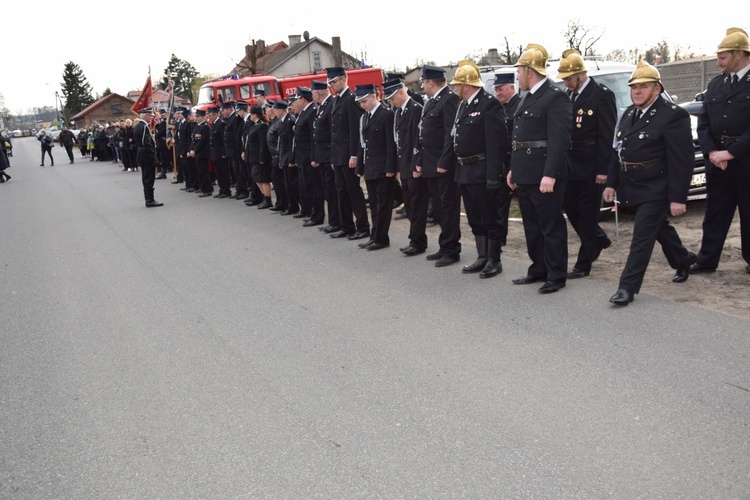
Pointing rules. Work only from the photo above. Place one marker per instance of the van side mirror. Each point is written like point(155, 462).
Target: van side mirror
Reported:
point(699, 96)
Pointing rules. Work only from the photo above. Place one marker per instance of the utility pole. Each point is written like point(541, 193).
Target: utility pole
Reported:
point(57, 112)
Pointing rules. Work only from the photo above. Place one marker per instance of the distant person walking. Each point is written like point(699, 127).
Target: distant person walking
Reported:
point(47, 145)
point(68, 140)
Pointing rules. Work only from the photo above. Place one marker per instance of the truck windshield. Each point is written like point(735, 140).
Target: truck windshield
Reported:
point(206, 95)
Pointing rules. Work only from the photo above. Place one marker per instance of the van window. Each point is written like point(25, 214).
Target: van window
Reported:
point(245, 91)
point(228, 94)
point(264, 86)
point(206, 95)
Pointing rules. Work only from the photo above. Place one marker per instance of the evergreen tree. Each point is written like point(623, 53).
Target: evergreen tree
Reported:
point(75, 88)
point(183, 74)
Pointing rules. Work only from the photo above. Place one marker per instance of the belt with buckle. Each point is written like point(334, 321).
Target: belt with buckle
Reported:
point(726, 140)
point(528, 145)
point(637, 166)
point(467, 160)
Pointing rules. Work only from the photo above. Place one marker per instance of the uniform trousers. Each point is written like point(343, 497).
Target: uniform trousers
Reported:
point(291, 181)
point(416, 192)
point(446, 204)
point(381, 192)
point(725, 194)
point(351, 200)
point(582, 202)
point(545, 229)
point(222, 176)
point(651, 224)
point(303, 183)
point(504, 197)
point(481, 210)
point(145, 159)
point(279, 185)
point(240, 177)
point(191, 174)
point(204, 177)
point(315, 190)
point(328, 182)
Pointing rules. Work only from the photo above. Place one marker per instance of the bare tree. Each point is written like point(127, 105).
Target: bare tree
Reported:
point(618, 55)
point(581, 38)
point(683, 53)
point(658, 54)
point(249, 65)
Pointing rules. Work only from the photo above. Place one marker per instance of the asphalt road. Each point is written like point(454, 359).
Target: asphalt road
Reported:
point(209, 350)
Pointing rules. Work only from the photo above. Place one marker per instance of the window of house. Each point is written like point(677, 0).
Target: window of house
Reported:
point(116, 108)
point(317, 65)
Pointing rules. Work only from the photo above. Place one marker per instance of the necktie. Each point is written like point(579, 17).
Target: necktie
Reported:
point(573, 96)
point(637, 116)
point(735, 79)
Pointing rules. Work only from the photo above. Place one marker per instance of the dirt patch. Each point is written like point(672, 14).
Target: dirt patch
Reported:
point(727, 290)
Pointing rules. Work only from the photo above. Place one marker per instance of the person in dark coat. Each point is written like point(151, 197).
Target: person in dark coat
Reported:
point(144, 141)
point(200, 151)
point(286, 141)
point(724, 136)
point(47, 145)
point(415, 189)
point(589, 158)
point(505, 91)
point(311, 185)
point(277, 173)
point(345, 115)
point(257, 155)
point(654, 145)
point(4, 162)
point(68, 140)
point(221, 166)
point(479, 141)
point(436, 162)
point(376, 162)
point(321, 154)
point(538, 170)
point(83, 142)
point(163, 151)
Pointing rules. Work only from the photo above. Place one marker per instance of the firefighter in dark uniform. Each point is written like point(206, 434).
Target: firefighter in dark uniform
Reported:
point(321, 155)
point(144, 141)
point(192, 184)
point(654, 145)
point(538, 170)
point(436, 161)
point(233, 147)
point(505, 91)
point(376, 162)
point(277, 174)
point(345, 115)
point(163, 151)
point(415, 189)
point(200, 151)
point(179, 124)
point(286, 141)
point(480, 143)
point(589, 158)
point(230, 119)
point(216, 140)
point(724, 136)
point(311, 185)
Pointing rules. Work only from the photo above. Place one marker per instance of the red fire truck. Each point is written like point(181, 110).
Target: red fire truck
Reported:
point(214, 92)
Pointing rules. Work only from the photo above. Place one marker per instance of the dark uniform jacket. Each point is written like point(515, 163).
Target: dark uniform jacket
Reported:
point(481, 138)
point(594, 116)
point(510, 110)
point(344, 126)
point(303, 136)
point(256, 145)
point(201, 140)
point(406, 124)
point(286, 140)
point(182, 137)
point(376, 155)
point(232, 131)
point(272, 139)
point(144, 141)
point(322, 133)
point(726, 112)
point(541, 116)
point(216, 136)
point(660, 143)
point(435, 142)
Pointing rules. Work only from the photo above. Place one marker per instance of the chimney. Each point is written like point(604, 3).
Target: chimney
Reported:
point(493, 57)
point(260, 46)
point(294, 40)
point(336, 43)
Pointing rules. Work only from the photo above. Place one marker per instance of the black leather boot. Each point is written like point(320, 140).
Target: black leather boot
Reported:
point(493, 266)
point(478, 265)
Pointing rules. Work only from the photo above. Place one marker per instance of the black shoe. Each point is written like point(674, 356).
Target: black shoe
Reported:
point(577, 273)
point(157, 177)
point(301, 216)
point(341, 234)
point(683, 272)
point(447, 260)
point(527, 280)
point(401, 216)
point(264, 205)
point(552, 286)
point(277, 209)
point(412, 250)
point(223, 195)
point(184, 188)
point(330, 229)
point(700, 268)
point(435, 256)
point(366, 243)
point(601, 245)
point(175, 182)
point(204, 195)
point(622, 297)
point(253, 203)
point(153, 203)
point(289, 212)
point(376, 246)
point(312, 223)
point(41, 164)
point(241, 196)
point(359, 235)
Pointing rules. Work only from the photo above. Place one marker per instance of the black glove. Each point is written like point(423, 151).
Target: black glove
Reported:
point(493, 187)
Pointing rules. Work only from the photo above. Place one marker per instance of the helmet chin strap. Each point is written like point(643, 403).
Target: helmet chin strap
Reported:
point(727, 70)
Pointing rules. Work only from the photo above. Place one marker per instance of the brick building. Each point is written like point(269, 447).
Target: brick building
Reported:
point(112, 107)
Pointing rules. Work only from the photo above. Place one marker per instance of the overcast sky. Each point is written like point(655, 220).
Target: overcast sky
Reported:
point(114, 47)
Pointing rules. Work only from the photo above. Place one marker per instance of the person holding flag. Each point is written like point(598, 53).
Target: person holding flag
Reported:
point(144, 141)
